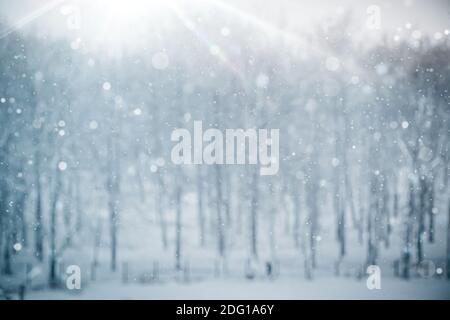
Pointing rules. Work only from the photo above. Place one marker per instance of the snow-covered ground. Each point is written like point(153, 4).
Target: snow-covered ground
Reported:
point(323, 288)
point(140, 250)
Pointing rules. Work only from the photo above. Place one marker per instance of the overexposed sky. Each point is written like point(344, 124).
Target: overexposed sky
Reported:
point(428, 16)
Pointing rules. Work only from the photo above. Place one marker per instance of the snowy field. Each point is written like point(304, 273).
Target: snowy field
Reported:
point(289, 289)
point(202, 278)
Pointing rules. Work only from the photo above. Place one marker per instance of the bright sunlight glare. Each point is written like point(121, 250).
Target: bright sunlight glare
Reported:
point(125, 11)
point(117, 25)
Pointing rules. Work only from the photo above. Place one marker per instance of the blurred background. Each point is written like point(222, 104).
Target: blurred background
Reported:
point(90, 92)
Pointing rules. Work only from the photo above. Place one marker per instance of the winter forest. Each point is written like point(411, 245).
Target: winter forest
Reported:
point(91, 91)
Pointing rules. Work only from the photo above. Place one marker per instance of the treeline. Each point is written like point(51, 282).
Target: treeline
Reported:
point(364, 136)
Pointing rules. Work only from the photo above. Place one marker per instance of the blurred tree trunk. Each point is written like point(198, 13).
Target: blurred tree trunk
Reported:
point(97, 244)
point(178, 226)
point(430, 209)
point(371, 220)
point(406, 256)
point(272, 221)
point(448, 243)
point(201, 214)
point(7, 267)
point(296, 208)
point(8, 241)
point(113, 187)
point(339, 201)
point(53, 278)
point(284, 207)
point(241, 200)
point(421, 219)
point(38, 227)
point(387, 213)
point(254, 215)
point(312, 198)
point(396, 207)
point(219, 207)
point(227, 197)
point(1, 222)
point(20, 214)
point(161, 210)
point(78, 203)
point(348, 186)
point(68, 213)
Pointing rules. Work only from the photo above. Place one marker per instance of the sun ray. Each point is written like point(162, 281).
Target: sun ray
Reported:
point(272, 30)
point(19, 24)
point(191, 26)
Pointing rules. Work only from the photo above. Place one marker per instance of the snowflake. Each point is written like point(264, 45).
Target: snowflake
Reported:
point(106, 86)
point(62, 165)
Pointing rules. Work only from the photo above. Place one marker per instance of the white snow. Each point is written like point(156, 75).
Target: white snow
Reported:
point(289, 289)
